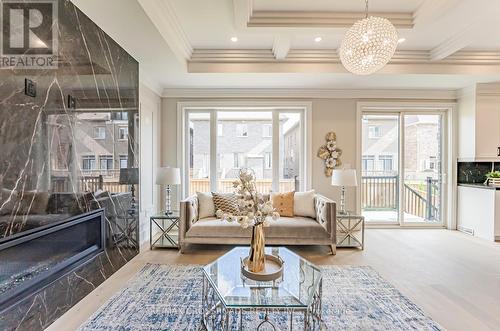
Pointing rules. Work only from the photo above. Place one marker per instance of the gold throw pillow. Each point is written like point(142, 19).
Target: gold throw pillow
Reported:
point(283, 203)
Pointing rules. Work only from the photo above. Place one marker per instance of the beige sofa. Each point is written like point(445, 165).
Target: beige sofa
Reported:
point(285, 231)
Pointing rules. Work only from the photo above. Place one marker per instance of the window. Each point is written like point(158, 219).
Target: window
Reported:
point(268, 160)
point(123, 161)
point(220, 130)
point(277, 163)
point(374, 132)
point(198, 148)
point(242, 130)
point(386, 163)
point(430, 164)
point(123, 133)
point(88, 162)
point(368, 162)
point(119, 116)
point(106, 162)
point(239, 160)
point(99, 132)
point(267, 130)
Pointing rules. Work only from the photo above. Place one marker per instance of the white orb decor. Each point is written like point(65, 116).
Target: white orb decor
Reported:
point(368, 45)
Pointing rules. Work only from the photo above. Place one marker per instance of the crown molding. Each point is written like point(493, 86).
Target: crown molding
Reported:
point(163, 16)
point(321, 19)
point(196, 93)
point(327, 60)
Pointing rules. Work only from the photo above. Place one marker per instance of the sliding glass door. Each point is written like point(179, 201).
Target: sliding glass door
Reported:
point(423, 170)
point(402, 168)
point(380, 168)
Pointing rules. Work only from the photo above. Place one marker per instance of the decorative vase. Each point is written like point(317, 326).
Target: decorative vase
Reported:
point(257, 256)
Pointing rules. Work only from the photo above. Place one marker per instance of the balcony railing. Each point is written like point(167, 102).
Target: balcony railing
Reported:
point(380, 193)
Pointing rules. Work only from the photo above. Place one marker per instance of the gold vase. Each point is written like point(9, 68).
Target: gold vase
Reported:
point(257, 256)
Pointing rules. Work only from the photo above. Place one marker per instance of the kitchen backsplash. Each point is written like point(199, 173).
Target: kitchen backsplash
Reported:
point(475, 172)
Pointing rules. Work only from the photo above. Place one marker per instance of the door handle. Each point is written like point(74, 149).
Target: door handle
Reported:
point(498, 151)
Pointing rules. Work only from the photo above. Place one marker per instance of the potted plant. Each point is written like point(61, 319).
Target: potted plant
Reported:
point(493, 178)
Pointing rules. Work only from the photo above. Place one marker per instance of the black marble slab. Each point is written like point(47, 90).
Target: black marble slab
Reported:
point(475, 172)
point(68, 150)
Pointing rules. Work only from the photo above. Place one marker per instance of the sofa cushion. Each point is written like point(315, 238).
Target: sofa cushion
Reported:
point(205, 204)
point(227, 202)
point(283, 203)
point(285, 227)
point(303, 204)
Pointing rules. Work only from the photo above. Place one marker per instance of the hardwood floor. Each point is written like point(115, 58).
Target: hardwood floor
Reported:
point(453, 277)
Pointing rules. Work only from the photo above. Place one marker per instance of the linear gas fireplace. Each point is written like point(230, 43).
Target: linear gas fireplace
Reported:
point(34, 259)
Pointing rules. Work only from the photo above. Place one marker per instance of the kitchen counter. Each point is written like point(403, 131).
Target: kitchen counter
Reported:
point(479, 185)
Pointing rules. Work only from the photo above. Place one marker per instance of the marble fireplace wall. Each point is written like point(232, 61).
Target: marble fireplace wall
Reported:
point(58, 162)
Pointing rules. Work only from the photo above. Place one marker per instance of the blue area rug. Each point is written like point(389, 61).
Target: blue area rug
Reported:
point(168, 297)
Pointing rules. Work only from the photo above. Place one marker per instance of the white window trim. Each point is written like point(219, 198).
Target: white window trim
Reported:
point(305, 108)
point(449, 149)
point(99, 127)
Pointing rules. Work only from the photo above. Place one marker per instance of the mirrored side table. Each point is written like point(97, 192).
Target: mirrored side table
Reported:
point(168, 234)
point(350, 230)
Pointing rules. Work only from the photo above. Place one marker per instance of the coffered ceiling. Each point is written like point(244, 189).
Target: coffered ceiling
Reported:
point(453, 41)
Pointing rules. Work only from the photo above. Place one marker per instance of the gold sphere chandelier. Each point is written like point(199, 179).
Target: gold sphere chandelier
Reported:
point(368, 45)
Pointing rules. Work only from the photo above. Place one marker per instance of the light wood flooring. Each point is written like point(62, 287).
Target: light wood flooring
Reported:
point(455, 278)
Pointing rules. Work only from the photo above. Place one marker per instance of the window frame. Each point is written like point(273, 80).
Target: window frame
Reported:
point(99, 137)
point(120, 128)
point(211, 108)
point(89, 158)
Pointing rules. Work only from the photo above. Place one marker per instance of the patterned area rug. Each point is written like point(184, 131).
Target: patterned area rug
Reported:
point(165, 297)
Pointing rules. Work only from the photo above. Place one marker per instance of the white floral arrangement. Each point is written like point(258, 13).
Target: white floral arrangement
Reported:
point(253, 210)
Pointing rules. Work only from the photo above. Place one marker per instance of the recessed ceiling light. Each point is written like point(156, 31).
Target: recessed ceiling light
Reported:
point(401, 40)
point(234, 39)
point(318, 39)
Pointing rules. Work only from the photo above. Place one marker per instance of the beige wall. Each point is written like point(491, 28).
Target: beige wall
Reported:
point(338, 115)
point(150, 141)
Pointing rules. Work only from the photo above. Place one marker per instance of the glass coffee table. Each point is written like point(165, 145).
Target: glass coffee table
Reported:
point(293, 301)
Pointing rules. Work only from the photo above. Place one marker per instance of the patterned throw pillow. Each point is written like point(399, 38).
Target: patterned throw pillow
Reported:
point(227, 202)
point(283, 203)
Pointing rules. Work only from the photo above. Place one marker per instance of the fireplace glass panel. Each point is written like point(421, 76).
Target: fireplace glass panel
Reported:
point(35, 258)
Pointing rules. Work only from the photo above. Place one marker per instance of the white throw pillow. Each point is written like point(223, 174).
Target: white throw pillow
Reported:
point(206, 206)
point(303, 204)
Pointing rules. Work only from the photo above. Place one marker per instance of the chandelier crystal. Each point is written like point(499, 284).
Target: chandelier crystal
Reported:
point(368, 45)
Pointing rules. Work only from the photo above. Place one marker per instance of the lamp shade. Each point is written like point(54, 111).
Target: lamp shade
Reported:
point(129, 176)
point(168, 176)
point(344, 177)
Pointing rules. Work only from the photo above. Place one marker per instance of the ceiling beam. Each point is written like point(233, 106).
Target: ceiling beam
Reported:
point(431, 10)
point(281, 46)
point(456, 43)
point(162, 14)
point(242, 10)
point(323, 19)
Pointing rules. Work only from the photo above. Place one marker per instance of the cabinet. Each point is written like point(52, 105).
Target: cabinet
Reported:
point(479, 123)
point(479, 212)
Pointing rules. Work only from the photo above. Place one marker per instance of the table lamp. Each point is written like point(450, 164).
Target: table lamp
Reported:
point(168, 176)
point(130, 176)
point(344, 178)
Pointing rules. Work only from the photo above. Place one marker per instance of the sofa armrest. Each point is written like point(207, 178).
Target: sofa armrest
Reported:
point(326, 215)
point(189, 215)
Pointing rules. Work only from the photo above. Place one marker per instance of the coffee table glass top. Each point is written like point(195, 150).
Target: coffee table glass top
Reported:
point(300, 281)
